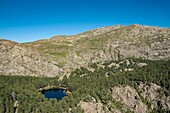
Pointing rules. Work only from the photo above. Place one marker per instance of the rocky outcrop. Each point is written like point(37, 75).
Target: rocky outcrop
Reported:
point(155, 95)
point(130, 99)
point(92, 107)
point(127, 99)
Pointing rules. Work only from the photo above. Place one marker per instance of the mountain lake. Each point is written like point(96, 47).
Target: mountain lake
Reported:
point(54, 93)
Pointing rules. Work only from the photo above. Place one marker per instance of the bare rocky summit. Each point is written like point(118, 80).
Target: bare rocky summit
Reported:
point(60, 54)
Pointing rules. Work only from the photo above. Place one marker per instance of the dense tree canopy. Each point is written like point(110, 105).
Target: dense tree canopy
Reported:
point(83, 83)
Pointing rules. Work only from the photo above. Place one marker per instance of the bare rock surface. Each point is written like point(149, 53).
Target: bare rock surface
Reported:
point(129, 98)
point(154, 94)
point(92, 107)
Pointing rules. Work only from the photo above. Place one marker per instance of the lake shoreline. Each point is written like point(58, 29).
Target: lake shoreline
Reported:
point(66, 89)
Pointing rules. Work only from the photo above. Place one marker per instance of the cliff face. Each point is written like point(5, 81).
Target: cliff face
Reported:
point(64, 53)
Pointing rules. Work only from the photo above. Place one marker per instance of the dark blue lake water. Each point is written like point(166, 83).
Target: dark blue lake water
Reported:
point(54, 93)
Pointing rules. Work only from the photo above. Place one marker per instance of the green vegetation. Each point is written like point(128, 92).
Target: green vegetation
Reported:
point(84, 85)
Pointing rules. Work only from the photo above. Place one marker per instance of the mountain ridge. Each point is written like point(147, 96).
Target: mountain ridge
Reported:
point(65, 53)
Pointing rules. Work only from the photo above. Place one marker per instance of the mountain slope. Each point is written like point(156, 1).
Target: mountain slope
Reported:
point(17, 59)
point(103, 44)
point(108, 43)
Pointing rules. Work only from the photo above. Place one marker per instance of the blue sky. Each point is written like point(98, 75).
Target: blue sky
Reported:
point(29, 20)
